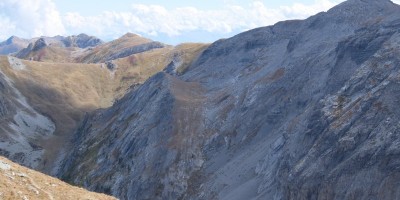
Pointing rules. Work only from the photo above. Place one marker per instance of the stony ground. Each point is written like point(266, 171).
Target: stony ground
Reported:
point(17, 182)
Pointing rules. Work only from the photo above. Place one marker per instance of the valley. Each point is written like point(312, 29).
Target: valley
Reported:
point(302, 109)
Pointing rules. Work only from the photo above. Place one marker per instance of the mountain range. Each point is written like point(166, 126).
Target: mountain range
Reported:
point(303, 109)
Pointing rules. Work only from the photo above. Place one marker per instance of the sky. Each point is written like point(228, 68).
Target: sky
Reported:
point(171, 22)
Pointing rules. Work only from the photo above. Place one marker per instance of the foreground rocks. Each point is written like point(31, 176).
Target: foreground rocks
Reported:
point(18, 182)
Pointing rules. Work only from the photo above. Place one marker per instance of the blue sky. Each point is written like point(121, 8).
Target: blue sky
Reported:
point(171, 22)
point(123, 5)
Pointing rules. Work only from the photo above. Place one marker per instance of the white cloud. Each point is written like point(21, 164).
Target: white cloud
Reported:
point(156, 19)
point(40, 17)
point(29, 18)
point(298, 10)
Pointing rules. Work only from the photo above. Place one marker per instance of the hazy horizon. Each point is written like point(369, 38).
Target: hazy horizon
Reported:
point(171, 22)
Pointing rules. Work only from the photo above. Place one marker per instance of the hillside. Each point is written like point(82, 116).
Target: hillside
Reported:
point(127, 45)
point(56, 96)
point(303, 109)
point(17, 182)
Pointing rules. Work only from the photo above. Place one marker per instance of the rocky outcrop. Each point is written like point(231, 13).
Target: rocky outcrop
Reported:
point(111, 65)
point(298, 110)
point(39, 44)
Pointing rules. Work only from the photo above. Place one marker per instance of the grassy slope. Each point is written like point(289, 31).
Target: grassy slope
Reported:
point(66, 91)
point(52, 54)
point(17, 182)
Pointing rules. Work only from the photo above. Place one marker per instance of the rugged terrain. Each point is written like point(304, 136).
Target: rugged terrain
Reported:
point(304, 109)
point(17, 182)
point(42, 103)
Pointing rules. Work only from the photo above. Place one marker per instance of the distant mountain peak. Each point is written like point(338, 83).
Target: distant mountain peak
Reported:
point(39, 44)
point(83, 35)
point(377, 3)
point(130, 35)
point(135, 39)
point(13, 39)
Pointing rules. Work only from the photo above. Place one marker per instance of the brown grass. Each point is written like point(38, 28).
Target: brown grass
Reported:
point(139, 67)
point(101, 51)
point(189, 52)
point(19, 182)
point(63, 92)
point(54, 54)
point(276, 75)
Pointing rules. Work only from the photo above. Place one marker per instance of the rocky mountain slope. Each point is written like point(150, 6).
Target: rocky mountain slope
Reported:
point(17, 182)
point(299, 110)
point(42, 103)
point(12, 45)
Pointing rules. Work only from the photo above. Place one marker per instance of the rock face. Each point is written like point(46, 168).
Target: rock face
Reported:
point(299, 110)
point(162, 144)
point(39, 44)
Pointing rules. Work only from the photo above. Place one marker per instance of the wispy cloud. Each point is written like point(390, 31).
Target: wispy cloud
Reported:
point(156, 19)
point(41, 17)
point(30, 18)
